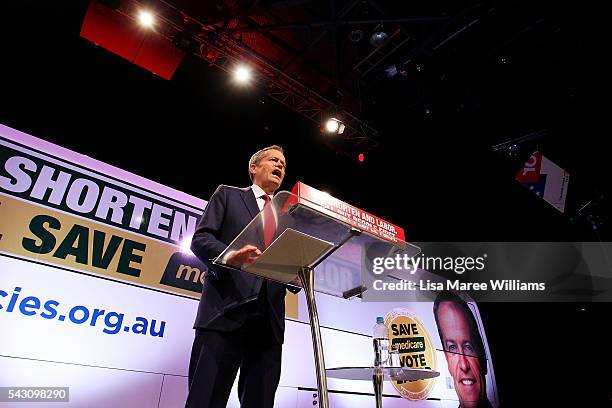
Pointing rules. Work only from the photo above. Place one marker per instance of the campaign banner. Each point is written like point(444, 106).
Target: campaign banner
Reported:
point(437, 335)
point(63, 215)
point(349, 214)
point(446, 336)
point(545, 179)
point(96, 219)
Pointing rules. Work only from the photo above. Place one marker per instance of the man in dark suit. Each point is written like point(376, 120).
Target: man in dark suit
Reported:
point(241, 317)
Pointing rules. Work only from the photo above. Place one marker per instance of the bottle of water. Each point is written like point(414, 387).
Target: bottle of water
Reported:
point(380, 339)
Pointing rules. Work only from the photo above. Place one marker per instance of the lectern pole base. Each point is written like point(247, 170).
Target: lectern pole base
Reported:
point(307, 276)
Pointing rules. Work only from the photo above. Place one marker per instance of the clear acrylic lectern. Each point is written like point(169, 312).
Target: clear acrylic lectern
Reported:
point(306, 236)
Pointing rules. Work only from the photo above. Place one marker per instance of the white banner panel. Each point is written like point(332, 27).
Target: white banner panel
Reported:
point(91, 321)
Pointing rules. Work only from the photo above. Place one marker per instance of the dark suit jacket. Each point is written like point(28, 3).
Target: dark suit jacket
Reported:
point(229, 210)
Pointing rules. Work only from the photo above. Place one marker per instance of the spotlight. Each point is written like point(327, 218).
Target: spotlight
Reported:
point(355, 36)
point(378, 38)
point(361, 157)
point(146, 19)
point(391, 71)
point(334, 126)
point(184, 42)
point(242, 74)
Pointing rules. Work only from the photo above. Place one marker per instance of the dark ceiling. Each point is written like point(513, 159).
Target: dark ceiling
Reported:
point(469, 76)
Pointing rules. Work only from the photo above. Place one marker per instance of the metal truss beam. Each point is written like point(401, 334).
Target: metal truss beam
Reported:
point(224, 51)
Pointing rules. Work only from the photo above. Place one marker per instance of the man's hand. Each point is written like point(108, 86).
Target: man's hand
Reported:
point(245, 255)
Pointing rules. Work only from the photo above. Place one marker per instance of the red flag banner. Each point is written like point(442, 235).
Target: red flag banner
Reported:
point(545, 179)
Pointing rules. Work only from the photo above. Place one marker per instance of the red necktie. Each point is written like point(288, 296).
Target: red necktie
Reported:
point(269, 222)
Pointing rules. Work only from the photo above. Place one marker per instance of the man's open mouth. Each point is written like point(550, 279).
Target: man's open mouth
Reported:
point(277, 173)
point(468, 382)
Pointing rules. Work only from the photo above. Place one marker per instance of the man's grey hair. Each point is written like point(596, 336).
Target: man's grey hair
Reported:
point(258, 155)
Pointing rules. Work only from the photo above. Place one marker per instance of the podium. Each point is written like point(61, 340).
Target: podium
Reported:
point(307, 235)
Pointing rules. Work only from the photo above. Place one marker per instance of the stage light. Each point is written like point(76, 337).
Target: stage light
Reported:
point(334, 126)
point(379, 37)
point(361, 157)
point(391, 71)
point(242, 74)
point(355, 36)
point(185, 42)
point(146, 19)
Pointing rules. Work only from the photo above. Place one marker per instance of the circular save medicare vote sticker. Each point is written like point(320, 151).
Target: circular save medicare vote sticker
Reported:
point(416, 350)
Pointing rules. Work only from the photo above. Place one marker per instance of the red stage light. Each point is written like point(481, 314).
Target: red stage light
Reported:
point(361, 157)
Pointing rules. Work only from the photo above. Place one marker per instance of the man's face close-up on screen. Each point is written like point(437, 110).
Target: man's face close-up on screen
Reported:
point(461, 355)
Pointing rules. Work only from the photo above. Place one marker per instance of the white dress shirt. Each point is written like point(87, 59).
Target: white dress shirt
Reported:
point(259, 193)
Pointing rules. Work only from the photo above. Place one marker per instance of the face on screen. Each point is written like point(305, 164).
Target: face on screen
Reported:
point(464, 363)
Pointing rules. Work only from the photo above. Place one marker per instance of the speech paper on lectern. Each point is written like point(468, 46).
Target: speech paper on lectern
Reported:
point(289, 252)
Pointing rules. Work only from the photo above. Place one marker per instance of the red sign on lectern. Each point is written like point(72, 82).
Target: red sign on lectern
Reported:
point(347, 213)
